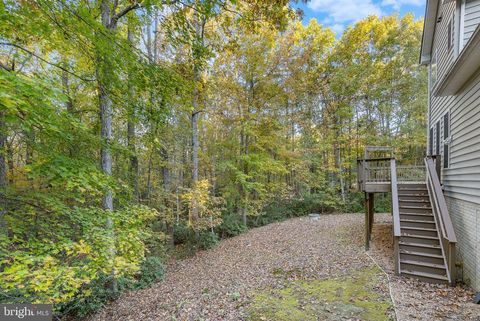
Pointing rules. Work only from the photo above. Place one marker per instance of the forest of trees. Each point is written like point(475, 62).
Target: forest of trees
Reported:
point(128, 128)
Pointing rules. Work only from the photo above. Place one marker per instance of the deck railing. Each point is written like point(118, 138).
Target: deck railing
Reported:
point(396, 216)
point(373, 170)
point(411, 173)
point(445, 229)
point(378, 170)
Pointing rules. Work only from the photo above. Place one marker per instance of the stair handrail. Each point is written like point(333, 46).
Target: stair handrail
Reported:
point(440, 203)
point(439, 208)
point(396, 214)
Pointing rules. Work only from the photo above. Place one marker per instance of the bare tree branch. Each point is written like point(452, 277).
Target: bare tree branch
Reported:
point(117, 16)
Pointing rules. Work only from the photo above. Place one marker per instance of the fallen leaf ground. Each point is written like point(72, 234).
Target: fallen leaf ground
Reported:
point(299, 269)
point(416, 300)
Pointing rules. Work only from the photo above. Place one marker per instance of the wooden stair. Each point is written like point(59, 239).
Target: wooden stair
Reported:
point(420, 252)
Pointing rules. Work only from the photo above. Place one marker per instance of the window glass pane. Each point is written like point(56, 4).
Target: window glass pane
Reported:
point(437, 138)
point(446, 126)
point(450, 35)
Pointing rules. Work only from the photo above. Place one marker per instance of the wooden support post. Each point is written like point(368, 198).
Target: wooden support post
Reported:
point(367, 224)
point(371, 207)
point(369, 210)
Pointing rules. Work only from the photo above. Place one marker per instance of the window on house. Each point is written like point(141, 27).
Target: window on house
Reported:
point(437, 138)
point(445, 155)
point(446, 126)
point(450, 33)
point(430, 142)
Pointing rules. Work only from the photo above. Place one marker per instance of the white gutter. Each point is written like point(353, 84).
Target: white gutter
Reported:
point(428, 31)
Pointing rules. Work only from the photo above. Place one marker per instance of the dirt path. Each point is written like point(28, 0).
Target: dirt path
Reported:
point(295, 270)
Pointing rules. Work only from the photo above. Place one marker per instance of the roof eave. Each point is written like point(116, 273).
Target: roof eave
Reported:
point(428, 31)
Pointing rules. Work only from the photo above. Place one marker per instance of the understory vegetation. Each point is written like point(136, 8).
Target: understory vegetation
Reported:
point(133, 130)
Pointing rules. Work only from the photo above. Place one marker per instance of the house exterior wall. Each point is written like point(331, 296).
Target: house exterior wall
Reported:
point(466, 220)
point(471, 18)
point(461, 179)
point(444, 55)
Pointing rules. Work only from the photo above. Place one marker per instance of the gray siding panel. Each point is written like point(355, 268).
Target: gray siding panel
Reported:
point(472, 18)
point(444, 56)
point(462, 179)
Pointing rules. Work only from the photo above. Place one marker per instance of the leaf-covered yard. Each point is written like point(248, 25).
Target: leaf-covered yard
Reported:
point(299, 269)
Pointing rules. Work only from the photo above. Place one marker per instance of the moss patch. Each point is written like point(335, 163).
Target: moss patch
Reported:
point(353, 296)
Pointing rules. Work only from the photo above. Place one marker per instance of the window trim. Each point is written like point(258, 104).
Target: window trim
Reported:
point(461, 26)
point(430, 142)
point(433, 69)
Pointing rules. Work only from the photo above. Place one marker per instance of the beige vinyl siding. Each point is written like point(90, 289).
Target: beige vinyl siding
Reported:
point(471, 19)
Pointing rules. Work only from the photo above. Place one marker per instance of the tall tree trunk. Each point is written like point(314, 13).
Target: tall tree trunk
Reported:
point(250, 102)
point(166, 189)
point(106, 115)
point(10, 161)
point(196, 111)
point(131, 129)
point(3, 172)
point(69, 102)
point(66, 89)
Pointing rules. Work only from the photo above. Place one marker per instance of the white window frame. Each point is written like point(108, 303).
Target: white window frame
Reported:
point(433, 69)
point(461, 26)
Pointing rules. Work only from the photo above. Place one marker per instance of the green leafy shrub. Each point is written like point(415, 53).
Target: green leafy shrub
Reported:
point(151, 270)
point(61, 267)
point(207, 240)
point(383, 203)
point(92, 297)
point(182, 234)
point(278, 210)
point(232, 225)
point(355, 203)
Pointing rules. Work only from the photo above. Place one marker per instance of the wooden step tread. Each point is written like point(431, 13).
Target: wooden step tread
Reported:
point(413, 200)
point(416, 221)
point(418, 228)
point(420, 263)
point(435, 256)
point(411, 195)
point(430, 246)
point(421, 236)
point(417, 207)
point(424, 274)
point(418, 214)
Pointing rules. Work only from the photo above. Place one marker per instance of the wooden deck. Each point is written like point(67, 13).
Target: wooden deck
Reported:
point(424, 238)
